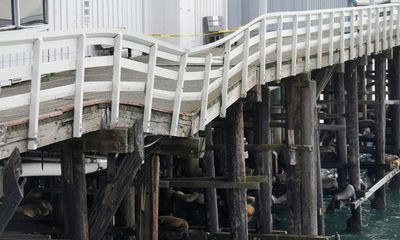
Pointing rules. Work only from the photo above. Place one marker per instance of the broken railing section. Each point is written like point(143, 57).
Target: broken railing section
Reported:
point(12, 191)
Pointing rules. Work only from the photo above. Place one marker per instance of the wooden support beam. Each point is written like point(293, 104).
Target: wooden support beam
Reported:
point(125, 217)
point(308, 159)
point(293, 166)
point(193, 147)
point(109, 198)
point(257, 236)
point(13, 192)
point(341, 142)
point(150, 186)
point(354, 223)
point(323, 77)
point(380, 127)
point(210, 195)
point(1, 181)
point(234, 133)
point(74, 189)
point(264, 162)
point(394, 89)
point(209, 184)
point(362, 88)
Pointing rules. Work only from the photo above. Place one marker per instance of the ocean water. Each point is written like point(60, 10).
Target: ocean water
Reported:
point(376, 224)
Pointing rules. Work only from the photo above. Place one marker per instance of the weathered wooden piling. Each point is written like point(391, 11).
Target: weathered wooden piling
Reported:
point(354, 223)
point(293, 166)
point(341, 143)
point(13, 193)
point(150, 196)
point(234, 133)
point(394, 91)
point(74, 189)
point(210, 196)
point(263, 164)
point(308, 161)
point(108, 199)
point(380, 127)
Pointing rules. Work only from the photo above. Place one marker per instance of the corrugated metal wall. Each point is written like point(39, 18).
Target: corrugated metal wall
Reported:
point(243, 11)
point(299, 5)
point(75, 14)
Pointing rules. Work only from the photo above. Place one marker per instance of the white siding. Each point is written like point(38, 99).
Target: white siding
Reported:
point(243, 11)
point(69, 14)
point(182, 17)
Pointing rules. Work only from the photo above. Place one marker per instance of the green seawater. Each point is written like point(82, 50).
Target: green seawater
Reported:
point(376, 224)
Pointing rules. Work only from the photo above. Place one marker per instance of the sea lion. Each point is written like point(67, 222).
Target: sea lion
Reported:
point(42, 209)
point(348, 194)
point(329, 183)
point(172, 223)
point(189, 198)
point(392, 161)
point(345, 196)
point(250, 210)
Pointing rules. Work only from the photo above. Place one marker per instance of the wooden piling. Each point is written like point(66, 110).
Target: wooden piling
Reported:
point(394, 91)
point(341, 143)
point(308, 161)
point(293, 167)
point(234, 133)
point(74, 190)
point(208, 168)
point(362, 86)
point(263, 164)
point(380, 127)
point(354, 223)
point(150, 189)
point(109, 198)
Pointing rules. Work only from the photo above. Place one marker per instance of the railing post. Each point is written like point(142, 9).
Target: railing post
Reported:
point(377, 29)
point(319, 40)
point(79, 85)
point(245, 65)
point(352, 32)
point(360, 33)
point(178, 95)
point(342, 20)
point(225, 79)
point(148, 104)
point(331, 35)
point(116, 84)
point(398, 26)
point(279, 48)
point(204, 93)
point(391, 40)
point(384, 36)
point(263, 32)
point(369, 34)
point(294, 44)
point(35, 95)
point(307, 50)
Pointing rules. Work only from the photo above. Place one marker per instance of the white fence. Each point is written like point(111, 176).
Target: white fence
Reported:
point(303, 39)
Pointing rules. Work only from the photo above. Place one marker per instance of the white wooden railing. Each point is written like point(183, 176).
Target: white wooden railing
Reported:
point(289, 43)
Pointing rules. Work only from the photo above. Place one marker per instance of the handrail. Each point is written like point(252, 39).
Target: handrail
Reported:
point(287, 42)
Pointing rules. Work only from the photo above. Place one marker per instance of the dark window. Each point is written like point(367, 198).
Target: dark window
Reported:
point(6, 17)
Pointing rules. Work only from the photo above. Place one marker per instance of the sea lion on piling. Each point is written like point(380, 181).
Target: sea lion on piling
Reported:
point(346, 196)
